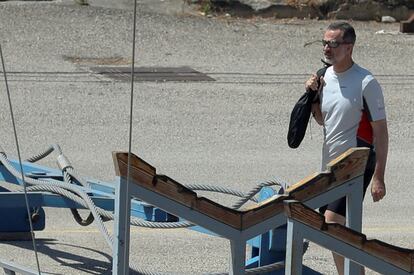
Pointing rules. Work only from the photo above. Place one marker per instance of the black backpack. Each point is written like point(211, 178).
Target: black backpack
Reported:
point(300, 115)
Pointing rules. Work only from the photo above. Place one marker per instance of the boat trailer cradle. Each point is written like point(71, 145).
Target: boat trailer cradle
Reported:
point(275, 226)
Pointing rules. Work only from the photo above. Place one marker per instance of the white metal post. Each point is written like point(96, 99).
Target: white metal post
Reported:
point(237, 257)
point(122, 217)
point(354, 202)
point(294, 249)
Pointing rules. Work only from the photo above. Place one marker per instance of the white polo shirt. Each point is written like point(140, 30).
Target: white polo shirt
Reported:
point(342, 106)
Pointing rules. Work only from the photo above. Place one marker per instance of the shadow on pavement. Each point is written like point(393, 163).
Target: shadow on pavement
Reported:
point(85, 265)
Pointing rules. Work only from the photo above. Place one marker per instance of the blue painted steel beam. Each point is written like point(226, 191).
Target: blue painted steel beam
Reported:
point(29, 169)
point(41, 199)
point(102, 193)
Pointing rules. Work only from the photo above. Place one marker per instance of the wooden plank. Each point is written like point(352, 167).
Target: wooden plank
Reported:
point(170, 188)
point(345, 234)
point(177, 192)
point(173, 190)
point(398, 256)
point(315, 185)
point(395, 255)
point(219, 212)
point(312, 218)
point(298, 211)
point(275, 198)
point(262, 211)
point(349, 165)
point(140, 170)
point(302, 182)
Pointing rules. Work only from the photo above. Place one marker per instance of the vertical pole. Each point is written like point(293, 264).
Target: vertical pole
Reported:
point(237, 257)
point(122, 217)
point(354, 220)
point(294, 248)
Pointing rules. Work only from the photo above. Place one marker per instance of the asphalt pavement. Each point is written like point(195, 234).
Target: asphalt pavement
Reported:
point(228, 132)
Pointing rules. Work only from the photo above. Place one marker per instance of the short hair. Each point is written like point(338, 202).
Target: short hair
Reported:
point(349, 35)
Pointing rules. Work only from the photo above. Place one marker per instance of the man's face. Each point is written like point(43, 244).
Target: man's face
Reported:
point(335, 50)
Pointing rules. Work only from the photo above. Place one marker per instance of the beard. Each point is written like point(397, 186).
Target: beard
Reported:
point(329, 60)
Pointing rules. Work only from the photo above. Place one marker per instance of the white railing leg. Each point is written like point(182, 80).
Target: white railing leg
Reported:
point(122, 218)
point(237, 257)
point(294, 249)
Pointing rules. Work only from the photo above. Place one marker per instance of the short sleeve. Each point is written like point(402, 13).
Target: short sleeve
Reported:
point(374, 100)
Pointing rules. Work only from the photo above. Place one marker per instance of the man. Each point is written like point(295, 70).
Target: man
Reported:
point(351, 110)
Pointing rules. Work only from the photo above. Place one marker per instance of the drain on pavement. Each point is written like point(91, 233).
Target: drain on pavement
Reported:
point(115, 60)
point(154, 74)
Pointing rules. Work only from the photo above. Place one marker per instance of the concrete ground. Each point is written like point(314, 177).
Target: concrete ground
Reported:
point(230, 132)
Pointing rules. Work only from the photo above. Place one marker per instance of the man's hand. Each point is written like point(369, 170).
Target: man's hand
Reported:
point(312, 83)
point(377, 189)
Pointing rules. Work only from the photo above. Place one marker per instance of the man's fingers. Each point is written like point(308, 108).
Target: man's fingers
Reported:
point(322, 83)
point(312, 83)
point(378, 194)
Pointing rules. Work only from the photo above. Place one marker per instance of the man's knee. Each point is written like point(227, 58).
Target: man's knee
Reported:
point(332, 217)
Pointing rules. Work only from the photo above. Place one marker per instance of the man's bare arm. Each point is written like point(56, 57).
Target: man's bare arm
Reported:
point(316, 113)
point(380, 131)
point(312, 84)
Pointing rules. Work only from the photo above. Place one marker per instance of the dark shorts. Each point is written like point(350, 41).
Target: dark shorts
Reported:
point(339, 206)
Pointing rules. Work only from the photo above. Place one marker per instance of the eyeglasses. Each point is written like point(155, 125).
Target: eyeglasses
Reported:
point(333, 43)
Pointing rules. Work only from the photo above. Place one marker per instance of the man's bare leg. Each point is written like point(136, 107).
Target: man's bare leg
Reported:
point(332, 217)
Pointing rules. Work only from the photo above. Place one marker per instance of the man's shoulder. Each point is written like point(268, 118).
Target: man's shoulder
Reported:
point(362, 71)
point(365, 75)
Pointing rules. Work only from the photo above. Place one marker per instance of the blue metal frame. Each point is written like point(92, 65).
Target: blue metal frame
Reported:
point(13, 205)
point(102, 194)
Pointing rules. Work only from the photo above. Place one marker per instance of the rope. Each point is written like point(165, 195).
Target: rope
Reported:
point(41, 155)
point(217, 189)
point(75, 213)
point(20, 162)
point(254, 191)
point(68, 176)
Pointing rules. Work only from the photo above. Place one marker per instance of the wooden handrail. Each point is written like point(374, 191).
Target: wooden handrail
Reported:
point(398, 256)
point(348, 166)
